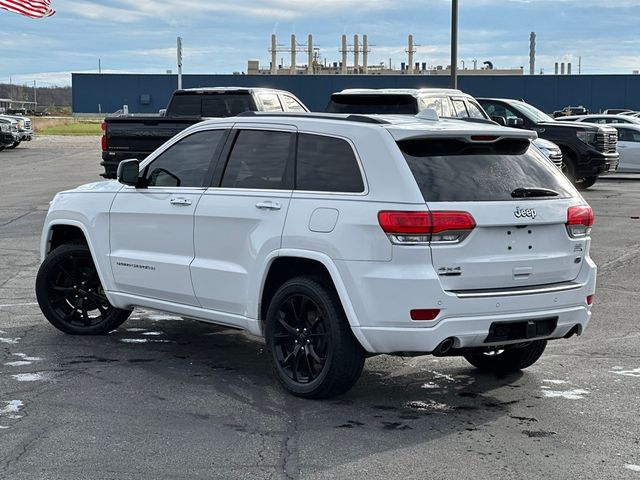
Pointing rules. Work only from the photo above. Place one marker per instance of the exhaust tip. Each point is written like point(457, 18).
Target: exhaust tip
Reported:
point(576, 330)
point(445, 346)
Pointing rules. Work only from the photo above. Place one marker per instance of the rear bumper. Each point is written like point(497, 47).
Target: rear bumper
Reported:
point(467, 332)
point(386, 295)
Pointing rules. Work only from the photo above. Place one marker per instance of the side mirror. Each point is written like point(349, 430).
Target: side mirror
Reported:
point(500, 120)
point(515, 122)
point(163, 112)
point(129, 172)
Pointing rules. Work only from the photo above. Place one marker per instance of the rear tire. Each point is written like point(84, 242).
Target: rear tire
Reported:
point(510, 360)
point(14, 145)
point(71, 296)
point(570, 169)
point(586, 183)
point(309, 341)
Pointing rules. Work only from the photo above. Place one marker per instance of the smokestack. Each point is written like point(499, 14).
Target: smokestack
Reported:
point(310, 52)
point(569, 68)
point(356, 53)
point(562, 68)
point(532, 54)
point(274, 48)
point(365, 54)
point(344, 55)
point(556, 68)
point(410, 52)
point(293, 54)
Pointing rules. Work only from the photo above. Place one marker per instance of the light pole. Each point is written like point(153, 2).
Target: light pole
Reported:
point(454, 43)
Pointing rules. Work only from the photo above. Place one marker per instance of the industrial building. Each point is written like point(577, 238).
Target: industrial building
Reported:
point(359, 52)
point(315, 80)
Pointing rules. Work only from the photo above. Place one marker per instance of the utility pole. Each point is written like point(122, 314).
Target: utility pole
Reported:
point(99, 66)
point(179, 51)
point(579, 65)
point(454, 43)
point(35, 96)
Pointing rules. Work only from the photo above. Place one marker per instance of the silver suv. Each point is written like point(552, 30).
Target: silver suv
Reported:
point(334, 237)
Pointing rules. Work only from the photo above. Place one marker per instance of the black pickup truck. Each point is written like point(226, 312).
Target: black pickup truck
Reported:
point(136, 136)
point(588, 150)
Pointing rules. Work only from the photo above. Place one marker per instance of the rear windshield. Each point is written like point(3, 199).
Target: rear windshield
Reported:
point(210, 105)
point(451, 170)
point(373, 104)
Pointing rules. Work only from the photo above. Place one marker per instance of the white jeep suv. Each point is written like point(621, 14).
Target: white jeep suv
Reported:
point(334, 237)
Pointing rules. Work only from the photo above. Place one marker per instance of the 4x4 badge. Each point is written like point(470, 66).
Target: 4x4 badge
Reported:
point(525, 212)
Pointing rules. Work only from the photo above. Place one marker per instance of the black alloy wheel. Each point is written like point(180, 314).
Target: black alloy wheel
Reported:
point(301, 339)
point(71, 296)
point(310, 343)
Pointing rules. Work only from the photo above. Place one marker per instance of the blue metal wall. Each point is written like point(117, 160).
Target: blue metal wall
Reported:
point(108, 92)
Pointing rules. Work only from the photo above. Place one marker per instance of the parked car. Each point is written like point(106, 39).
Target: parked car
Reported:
point(629, 147)
point(11, 126)
point(136, 136)
point(566, 111)
point(446, 103)
point(616, 111)
point(6, 136)
point(334, 237)
point(551, 151)
point(602, 119)
point(24, 128)
point(589, 150)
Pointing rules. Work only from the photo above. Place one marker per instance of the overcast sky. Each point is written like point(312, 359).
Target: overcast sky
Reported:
point(220, 36)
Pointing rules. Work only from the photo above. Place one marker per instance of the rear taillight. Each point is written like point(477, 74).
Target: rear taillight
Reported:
point(418, 228)
point(579, 221)
point(590, 300)
point(103, 140)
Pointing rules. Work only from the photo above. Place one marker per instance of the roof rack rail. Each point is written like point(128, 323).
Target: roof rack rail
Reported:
point(321, 116)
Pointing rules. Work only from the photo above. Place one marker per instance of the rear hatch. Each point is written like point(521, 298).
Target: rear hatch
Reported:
point(519, 202)
point(383, 104)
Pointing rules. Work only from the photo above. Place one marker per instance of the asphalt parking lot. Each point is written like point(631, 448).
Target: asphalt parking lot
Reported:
point(165, 398)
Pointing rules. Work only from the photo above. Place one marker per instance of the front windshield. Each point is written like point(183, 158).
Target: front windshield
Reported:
point(533, 113)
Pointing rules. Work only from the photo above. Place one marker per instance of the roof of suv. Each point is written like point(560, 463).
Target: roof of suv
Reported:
point(231, 90)
point(399, 126)
point(398, 91)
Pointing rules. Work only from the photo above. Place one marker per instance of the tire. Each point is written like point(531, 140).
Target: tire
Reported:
point(586, 183)
point(309, 341)
point(70, 294)
point(570, 169)
point(510, 360)
point(14, 145)
point(2, 147)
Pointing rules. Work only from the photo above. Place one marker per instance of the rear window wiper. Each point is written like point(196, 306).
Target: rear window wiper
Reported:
point(533, 192)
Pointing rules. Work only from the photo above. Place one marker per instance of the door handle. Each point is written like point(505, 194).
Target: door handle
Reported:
point(268, 205)
point(180, 201)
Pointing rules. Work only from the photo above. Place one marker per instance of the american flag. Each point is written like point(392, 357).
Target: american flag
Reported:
point(29, 8)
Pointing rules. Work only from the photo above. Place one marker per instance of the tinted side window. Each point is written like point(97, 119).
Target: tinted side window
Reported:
point(186, 163)
point(327, 164)
point(447, 108)
point(270, 102)
point(292, 104)
point(185, 106)
point(461, 110)
point(498, 110)
point(259, 160)
point(474, 110)
point(226, 105)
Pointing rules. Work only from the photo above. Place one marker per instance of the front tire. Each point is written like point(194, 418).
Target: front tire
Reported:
point(71, 296)
point(510, 360)
point(310, 344)
point(14, 145)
